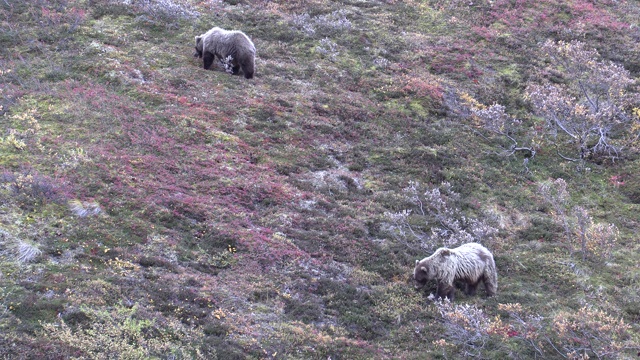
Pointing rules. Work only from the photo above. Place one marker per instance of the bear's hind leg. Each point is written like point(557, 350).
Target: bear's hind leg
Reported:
point(490, 280)
point(490, 288)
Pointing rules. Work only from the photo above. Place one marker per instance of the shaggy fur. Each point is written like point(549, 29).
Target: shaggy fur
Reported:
point(470, 263)
point(229, 46)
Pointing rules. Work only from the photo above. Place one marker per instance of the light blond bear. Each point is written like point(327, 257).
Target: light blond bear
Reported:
point(233, 47)
point(470, 263)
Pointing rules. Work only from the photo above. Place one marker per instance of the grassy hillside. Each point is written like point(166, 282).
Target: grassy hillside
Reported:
point(150, 209)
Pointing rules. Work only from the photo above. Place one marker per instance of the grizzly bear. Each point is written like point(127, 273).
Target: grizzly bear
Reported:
point(469, 263)
point(232, 47)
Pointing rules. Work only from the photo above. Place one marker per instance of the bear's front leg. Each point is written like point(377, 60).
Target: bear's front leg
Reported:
point(208, 60)
point(471, 289)
point(235, 65)
point(445, 290)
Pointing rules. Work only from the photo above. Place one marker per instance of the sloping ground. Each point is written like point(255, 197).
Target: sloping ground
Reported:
point(152, 209)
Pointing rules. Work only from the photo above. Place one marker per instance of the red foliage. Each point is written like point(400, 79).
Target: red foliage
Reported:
point(617, 180)
point(524, 19)
point(180, 158)
point(587, 15)
point(456, 58)
point(56, 15)
point(423, 88)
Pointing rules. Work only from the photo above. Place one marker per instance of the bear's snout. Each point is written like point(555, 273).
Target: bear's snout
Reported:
point(418, 284)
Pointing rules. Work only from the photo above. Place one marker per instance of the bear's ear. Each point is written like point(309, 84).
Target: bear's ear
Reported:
point(417, 261)
point(198, 40)
point(423, 269)
point(445, 252)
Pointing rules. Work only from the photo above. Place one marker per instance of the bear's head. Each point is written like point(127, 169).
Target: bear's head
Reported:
point(420, 275)
point(425, 270)
point(198, 52)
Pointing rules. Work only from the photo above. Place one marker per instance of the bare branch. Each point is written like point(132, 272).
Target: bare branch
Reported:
point(585, 106)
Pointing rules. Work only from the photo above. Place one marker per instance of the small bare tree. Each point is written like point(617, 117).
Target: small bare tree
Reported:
point(583, 100)
point(438, 210)
point(495, 119)
point(595, 239)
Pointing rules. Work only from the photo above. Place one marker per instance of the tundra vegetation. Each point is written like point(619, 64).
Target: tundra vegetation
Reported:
point(153, 210)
